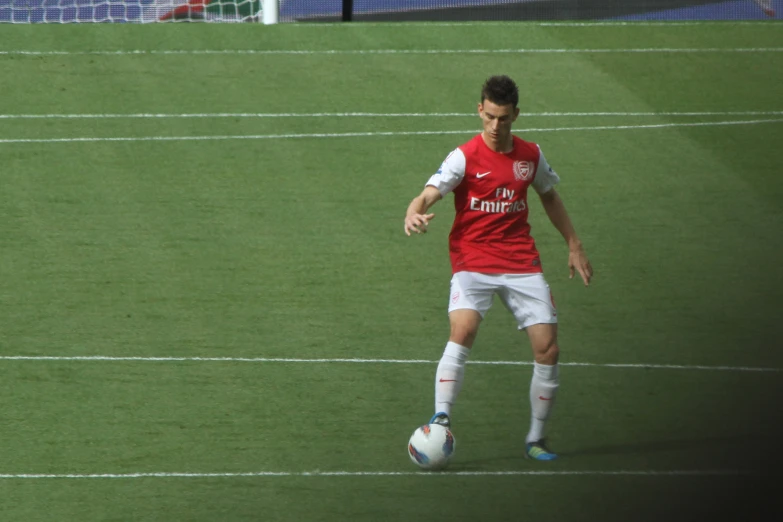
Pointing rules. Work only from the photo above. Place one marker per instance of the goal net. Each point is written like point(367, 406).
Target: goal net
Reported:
point(65, 11)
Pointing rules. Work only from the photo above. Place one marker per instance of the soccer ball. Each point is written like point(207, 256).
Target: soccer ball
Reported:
point(431, 446)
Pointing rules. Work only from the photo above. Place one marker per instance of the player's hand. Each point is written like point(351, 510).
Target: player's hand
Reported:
point(578, 262)
point(417, 223)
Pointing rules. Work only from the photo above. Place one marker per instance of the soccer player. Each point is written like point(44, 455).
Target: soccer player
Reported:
point(492, 252)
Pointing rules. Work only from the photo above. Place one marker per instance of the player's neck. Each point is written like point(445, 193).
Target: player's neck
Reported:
point(500, 147)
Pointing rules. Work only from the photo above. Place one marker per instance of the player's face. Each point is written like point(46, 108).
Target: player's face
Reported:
point(497, 120)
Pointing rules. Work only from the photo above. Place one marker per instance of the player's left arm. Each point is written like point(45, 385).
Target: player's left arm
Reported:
point(577, 257)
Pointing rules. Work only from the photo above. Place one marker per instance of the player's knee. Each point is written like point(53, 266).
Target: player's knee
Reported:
point(463, 335)
point(464, 327)
point(548, 353)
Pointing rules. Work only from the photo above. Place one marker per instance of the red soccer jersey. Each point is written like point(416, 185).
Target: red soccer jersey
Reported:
point(491, 233)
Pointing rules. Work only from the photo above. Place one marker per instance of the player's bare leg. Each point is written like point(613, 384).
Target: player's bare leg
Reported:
point(451, 368)
point(543, 387)
point(464, 326)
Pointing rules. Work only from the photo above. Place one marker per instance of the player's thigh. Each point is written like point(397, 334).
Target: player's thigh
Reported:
point(471, 291)
point(470, 299)
point(529, 298)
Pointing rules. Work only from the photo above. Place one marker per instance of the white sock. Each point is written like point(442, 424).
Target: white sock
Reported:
point(448, 377)
point(543, 388)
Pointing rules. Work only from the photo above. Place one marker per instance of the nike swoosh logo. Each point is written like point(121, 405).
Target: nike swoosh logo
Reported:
point(482, 174)
point(545, 398)
point(448, 380)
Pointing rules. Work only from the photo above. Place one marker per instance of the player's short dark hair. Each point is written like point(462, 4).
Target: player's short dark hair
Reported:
point(500, 90)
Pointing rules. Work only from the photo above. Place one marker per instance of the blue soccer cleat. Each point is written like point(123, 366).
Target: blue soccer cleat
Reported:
point(441, 418)
point(538, 450)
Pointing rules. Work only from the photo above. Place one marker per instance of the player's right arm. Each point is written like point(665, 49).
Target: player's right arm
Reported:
point(416, 218)
point(449, 175)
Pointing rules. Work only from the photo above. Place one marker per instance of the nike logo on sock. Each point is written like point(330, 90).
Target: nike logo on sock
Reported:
point(448, 380)
point(545, 398)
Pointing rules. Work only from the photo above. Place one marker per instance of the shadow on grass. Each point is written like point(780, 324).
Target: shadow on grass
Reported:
point(656, 446)
point(718, 446)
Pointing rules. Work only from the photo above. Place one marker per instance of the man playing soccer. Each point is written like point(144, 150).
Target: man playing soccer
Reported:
point(492, 252)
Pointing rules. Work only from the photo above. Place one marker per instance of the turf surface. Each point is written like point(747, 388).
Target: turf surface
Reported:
point(210, 237)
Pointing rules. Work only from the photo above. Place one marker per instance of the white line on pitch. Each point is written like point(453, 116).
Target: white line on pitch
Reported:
point(670, 473)
point(373, 134)
point(310, 52)
point(363, 361)
point(376, 115)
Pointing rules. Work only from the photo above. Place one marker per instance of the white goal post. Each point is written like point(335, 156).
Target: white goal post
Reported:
point(139, 11)
point(270, 11)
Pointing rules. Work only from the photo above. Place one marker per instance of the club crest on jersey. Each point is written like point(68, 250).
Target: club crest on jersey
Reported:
point(522, 170)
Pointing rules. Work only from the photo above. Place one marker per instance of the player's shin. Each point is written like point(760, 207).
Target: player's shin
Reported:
point(449, 376)
point(543, 389)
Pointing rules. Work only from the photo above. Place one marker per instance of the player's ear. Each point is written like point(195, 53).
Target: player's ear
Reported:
point(480, 108)
point(516, 113)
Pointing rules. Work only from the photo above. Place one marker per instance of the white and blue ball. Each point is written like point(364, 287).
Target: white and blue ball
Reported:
point(431, 446)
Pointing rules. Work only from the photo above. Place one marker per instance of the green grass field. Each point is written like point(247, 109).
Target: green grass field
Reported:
point(248, 212)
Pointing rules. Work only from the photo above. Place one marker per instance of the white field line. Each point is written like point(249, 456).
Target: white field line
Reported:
point(621, 473)
point(372, 134)
point(374, 115)
point(370, 52)
point(367, 361)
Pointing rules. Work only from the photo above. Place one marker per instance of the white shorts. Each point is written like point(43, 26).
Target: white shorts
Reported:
point(527, 296)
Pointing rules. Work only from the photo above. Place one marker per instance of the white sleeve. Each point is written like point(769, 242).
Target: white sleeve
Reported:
point(450, 173)
point(546, 178)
